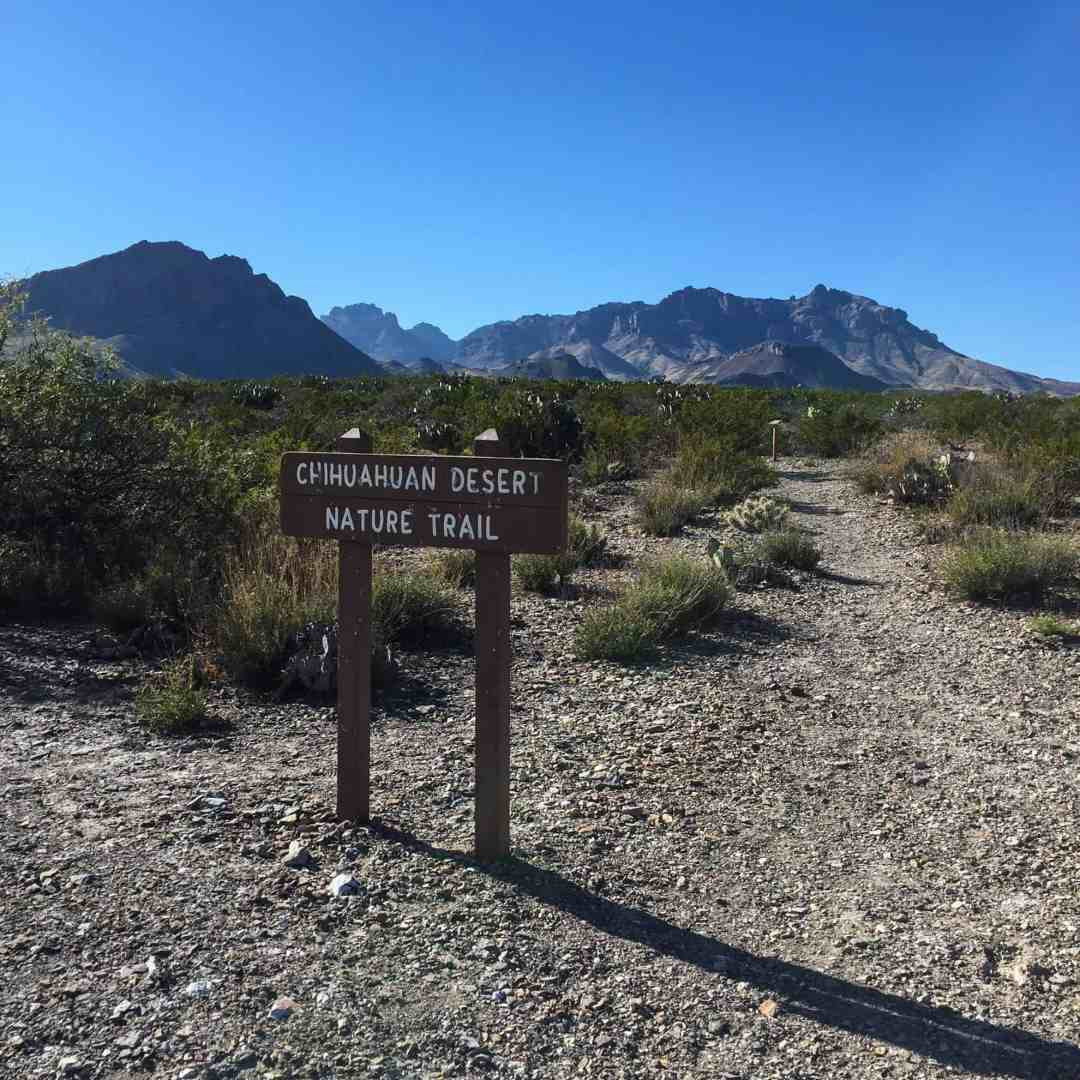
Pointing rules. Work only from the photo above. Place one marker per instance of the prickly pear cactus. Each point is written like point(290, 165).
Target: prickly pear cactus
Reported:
point(757, 514)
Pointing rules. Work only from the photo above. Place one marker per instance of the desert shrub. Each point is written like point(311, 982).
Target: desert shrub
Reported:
point(664, 507)
point(91, 476)
point(789, 548)
point(880, 467)
point(256, 395)
point(995, 563)
point(537, 421)
point(541, 573)
point(1051, 627)
point(747, 565)
point(672, 596)
point(836, 429)
point(586, 546)
point(172, 588)
point(273, 587)
point(406, 608)
point(174, 701)
point(757, 514)
point(454, 567)
point(713, 466)
point(923, 483)
point(997, 499)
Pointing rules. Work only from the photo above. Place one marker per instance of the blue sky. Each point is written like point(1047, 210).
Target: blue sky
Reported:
point(466, 163)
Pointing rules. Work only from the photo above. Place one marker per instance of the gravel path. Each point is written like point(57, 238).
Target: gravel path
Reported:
point(836, 837)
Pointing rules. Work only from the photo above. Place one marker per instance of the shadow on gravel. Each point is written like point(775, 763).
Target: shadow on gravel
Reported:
point(815, 509)
point(811, 477)
point(934, 1032)
point(847, 579)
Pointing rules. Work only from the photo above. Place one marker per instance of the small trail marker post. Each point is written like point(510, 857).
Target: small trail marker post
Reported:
point(774, 424)
point(490, 503)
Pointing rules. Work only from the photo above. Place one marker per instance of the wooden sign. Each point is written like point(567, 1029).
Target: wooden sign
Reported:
point(490, 503)
point(505, 504)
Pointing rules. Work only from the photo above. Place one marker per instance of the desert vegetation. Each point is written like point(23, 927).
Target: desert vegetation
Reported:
point(152, 503)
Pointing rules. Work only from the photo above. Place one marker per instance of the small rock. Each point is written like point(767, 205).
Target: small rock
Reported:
point(344, 885)
point(769, 1008)
point(121, 1009)
point(282, 1008)
point(200, 988)
point(70, 1066)
point(298, 857)
point(129, 1040)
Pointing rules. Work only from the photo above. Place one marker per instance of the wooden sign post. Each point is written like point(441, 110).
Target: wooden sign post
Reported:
point(489, 502)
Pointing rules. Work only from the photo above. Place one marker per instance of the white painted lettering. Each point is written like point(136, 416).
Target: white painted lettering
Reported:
point(489, 482)
point(333, 516)
point(472, 482)
point(346, 519)
point(433, 517)
point(365, 476)
point(380, 476)
point(377, 520)
point(349, 476)
point(457, 478)
point(519, 481)
point(449, 526)
point(301, 473)
point(489, 533)
point(391, 521)
point(427, 478)
point(334, 473)
point(504, 483)
point(361, 518)
point(406, 522)
point(466, 530)
point(411, 483)
point(395, 477)
point(536, 482)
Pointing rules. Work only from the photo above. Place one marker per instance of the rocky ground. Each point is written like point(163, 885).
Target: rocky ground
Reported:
point(836, 837)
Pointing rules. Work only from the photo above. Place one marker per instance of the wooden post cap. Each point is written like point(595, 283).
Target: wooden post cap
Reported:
point(488, 444)
point(354, 441)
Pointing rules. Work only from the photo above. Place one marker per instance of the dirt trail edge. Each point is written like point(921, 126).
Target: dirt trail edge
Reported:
point(836, 837)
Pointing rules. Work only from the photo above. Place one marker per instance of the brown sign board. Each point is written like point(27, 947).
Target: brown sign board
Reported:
point(487, 504)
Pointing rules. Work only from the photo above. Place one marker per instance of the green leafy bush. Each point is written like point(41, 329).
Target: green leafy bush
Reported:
point(1053, 628)
point(997, 500)
point(256, 395)
point(586, 546)
point(713, 466)
point(994, 563)
point(835, 430)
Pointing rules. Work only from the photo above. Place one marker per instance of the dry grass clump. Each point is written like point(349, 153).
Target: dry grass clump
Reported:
point(586, 546)
point(996, 563)
point(174, 701)
point(672, 596)
point(880, 468)
point(789, 548)
point(664, 507)
point(454, 567)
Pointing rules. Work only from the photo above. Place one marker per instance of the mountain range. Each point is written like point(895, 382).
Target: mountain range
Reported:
point(168, 309)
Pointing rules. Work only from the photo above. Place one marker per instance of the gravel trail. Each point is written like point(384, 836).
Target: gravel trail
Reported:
point(836, 837)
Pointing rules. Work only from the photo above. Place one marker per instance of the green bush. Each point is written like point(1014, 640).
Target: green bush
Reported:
point(542, 573)
point(664, 508)
point(173, 702)
point(92, 477)
point(993, 563)
point(835, 430)
point(1051, 627)
point(726, 474)
point(789, 548)
point(672, 596)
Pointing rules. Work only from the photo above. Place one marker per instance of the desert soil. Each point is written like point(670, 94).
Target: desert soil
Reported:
point(835, 837)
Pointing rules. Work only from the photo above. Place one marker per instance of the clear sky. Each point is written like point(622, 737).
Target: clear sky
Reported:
point(463, 163)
